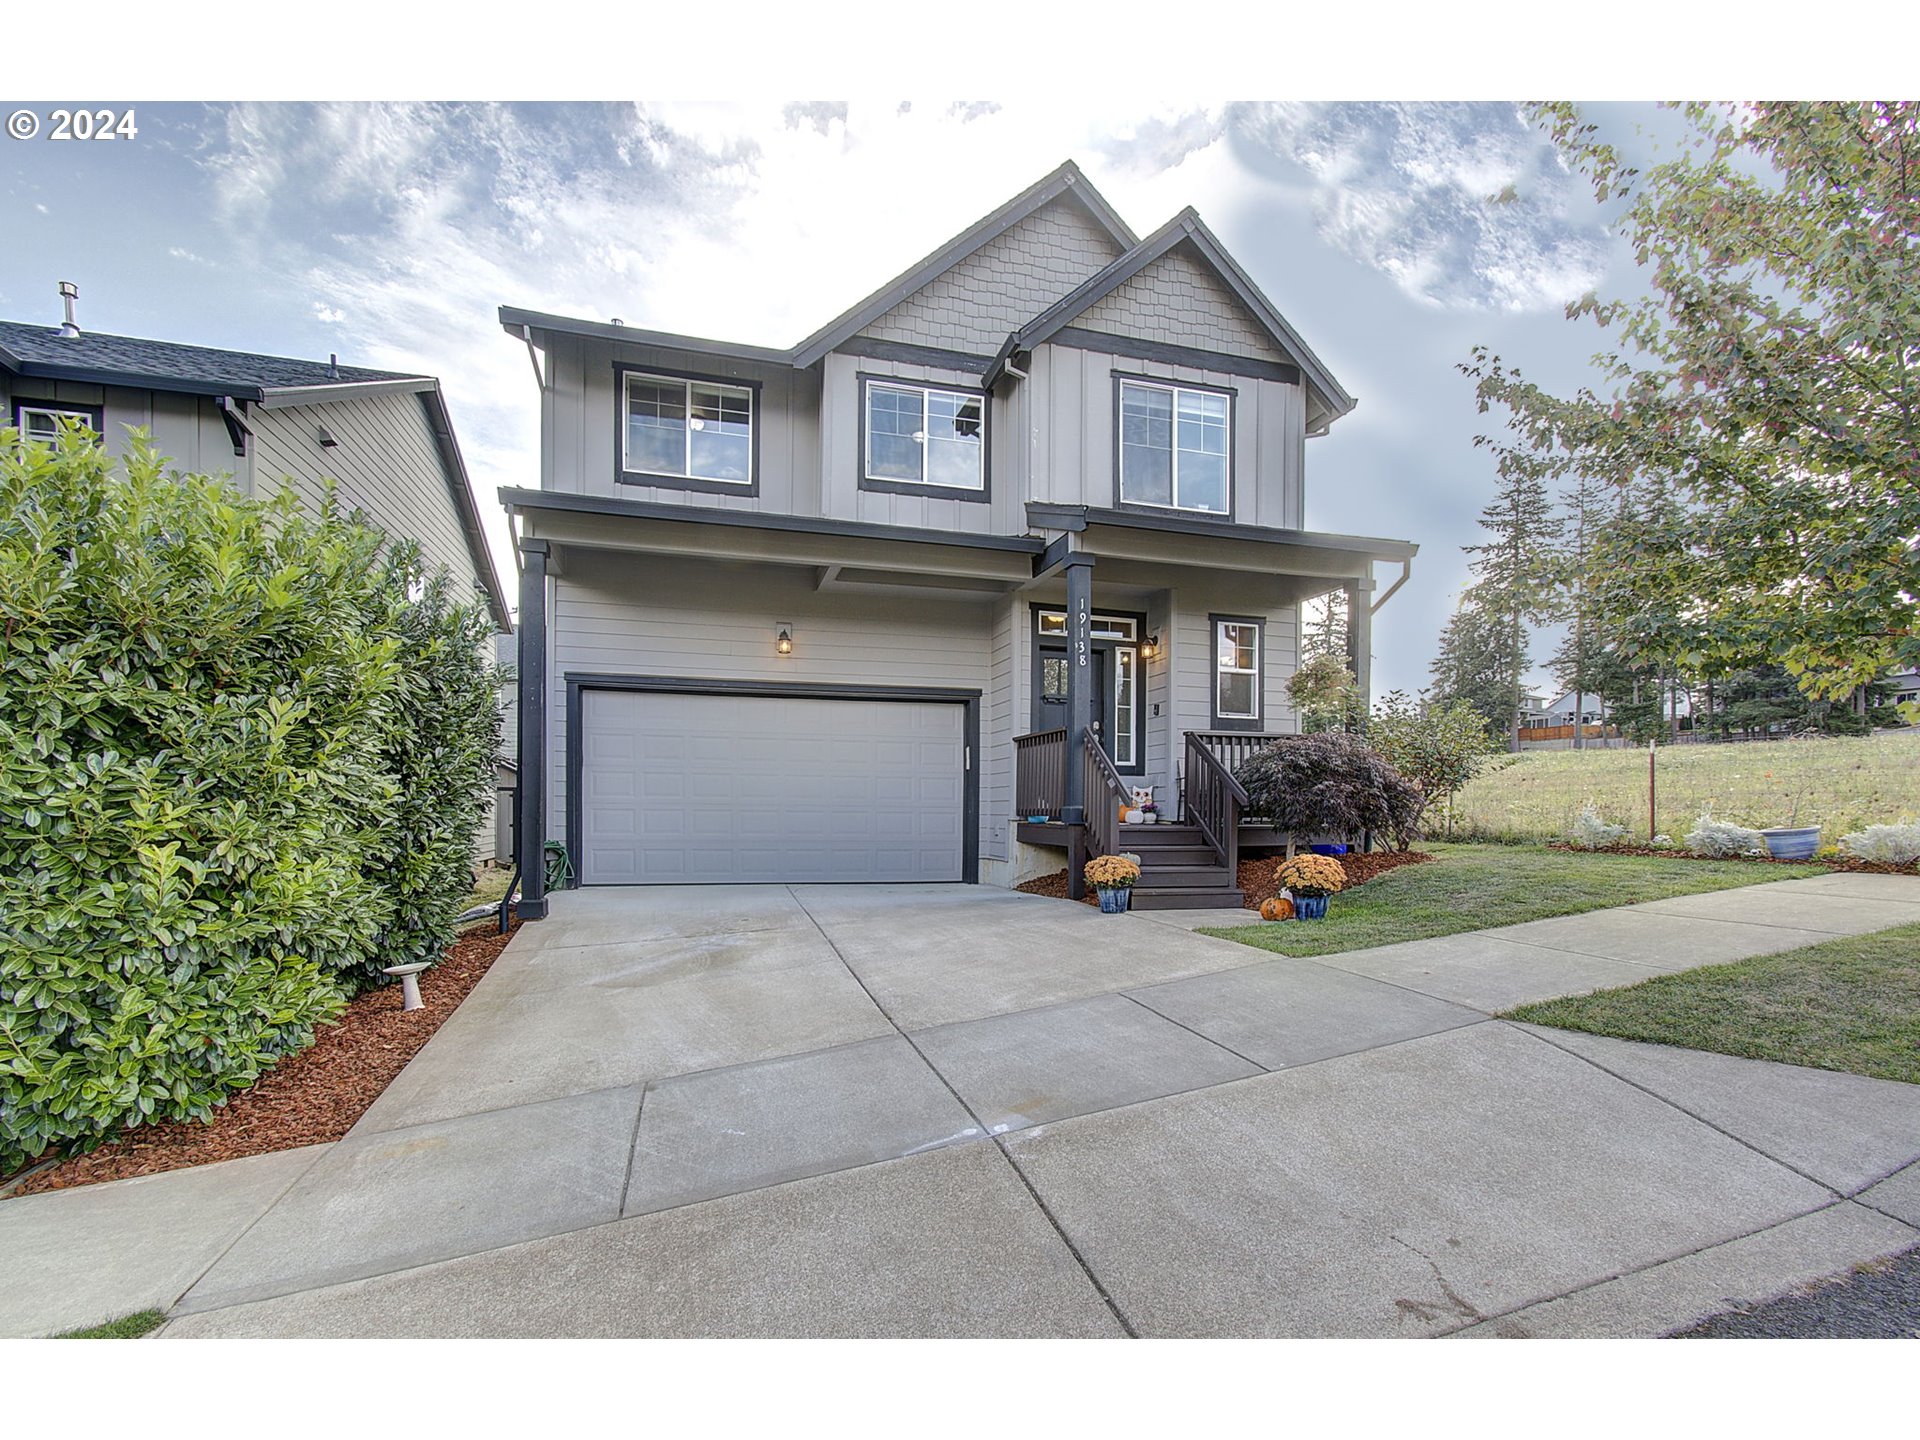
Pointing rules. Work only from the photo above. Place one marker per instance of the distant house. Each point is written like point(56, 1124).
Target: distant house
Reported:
point(268, 422)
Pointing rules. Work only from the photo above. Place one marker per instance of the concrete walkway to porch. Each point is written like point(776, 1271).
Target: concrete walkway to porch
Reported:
point(950, 1110)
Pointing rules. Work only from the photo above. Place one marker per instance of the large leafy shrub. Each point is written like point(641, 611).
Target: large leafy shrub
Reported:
point(1331, 784)
point(1437, 746)
point(203, 835)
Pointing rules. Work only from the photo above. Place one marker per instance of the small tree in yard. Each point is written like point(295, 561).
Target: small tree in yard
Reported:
point(1325, 695)
point(1331, 784)
point(1436, 746)
point(231, 756)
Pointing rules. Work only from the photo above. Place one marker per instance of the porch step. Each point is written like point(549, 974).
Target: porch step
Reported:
point(1159, 855)
point(1140, 837)
point(1152, 897)
point(1184, 877)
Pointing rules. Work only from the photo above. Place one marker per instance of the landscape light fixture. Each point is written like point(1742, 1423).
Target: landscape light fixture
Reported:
point(783, 640)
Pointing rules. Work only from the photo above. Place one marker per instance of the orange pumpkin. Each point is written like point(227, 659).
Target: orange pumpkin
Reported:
point(1278, 908)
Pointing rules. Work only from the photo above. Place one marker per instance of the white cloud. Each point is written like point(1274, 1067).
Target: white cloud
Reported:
point(179, 252)
point(1405, 188)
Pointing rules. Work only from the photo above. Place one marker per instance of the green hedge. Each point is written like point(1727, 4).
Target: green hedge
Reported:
point(219, 811)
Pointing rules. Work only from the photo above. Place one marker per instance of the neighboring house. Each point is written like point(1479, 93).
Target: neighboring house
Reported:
point(1569, 709)
point(1016, 535)
point(1905, 687)
point(267, 422)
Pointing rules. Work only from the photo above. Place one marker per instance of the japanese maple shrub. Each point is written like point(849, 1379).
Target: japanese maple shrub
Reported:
point(1331, 784)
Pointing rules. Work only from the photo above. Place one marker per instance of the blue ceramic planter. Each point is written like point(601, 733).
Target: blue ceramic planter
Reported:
point(1113, 898)
point(1792, 844)
point(1310, 907)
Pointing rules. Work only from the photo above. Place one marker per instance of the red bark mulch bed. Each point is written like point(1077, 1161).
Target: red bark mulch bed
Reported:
point(306, 1099)
point(1257, 881)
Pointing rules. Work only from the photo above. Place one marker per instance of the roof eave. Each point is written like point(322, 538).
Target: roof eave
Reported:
point(517, 322)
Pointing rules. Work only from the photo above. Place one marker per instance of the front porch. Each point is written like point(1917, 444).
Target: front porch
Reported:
point(1189, 858)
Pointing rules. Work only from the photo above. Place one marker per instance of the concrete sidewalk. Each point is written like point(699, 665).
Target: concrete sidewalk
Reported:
point(949, 1110)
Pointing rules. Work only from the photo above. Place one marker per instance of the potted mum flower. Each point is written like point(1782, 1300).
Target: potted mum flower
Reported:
point(1310, 879)
point(1113, 877)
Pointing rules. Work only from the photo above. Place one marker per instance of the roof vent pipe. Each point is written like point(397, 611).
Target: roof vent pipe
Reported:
point(69, 292)
point(333, 367)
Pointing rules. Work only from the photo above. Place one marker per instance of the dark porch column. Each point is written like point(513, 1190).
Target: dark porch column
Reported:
point(1073, 809)
point(530, 796)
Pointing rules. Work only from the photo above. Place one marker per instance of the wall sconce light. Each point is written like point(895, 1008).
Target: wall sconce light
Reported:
point(327, 442)
point(1150, 648)
point(783, 641)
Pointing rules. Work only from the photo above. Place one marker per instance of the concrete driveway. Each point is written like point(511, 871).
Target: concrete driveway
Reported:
point(951, 1110)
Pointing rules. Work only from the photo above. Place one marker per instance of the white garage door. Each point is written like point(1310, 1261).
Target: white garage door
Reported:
point(719, 789)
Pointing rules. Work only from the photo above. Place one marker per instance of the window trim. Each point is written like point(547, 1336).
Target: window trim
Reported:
point(663, 480)
point(1041, 643)
point(1123, 378)
point(1257, 720)
point(883, 485)
point(94, 415)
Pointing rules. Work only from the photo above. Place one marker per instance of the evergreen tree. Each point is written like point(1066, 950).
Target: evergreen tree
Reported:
point(1325, 631)
point(1470, 666)
point(1516, 569)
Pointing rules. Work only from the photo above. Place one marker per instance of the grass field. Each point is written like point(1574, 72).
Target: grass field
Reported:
point(1840, 785)
point(1851, 1004)
point(1475, 887)
point(127, 1327)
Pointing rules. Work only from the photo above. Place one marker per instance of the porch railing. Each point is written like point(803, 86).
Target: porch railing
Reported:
point(1214, 801)
point(1040, 773)
point(1232, 747)
point(1105, 792)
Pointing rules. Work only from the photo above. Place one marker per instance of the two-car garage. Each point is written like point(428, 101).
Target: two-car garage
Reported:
point(742, 784)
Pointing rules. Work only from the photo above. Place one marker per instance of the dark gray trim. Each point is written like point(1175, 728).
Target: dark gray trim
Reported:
point(580, 681)
point(1054, 516)
point(1039, 647)
point(1120, 502)
point(513, 319)
point(1054, 556)
point(133, 380)
point(1047, 515)
point(865, 481)
point(460, 486)
point(530, 690)
point(899, 351)
point(237, 432)
point(285, 397)
point(518, 500)
point(1187, 228)
point(1216, 360)
point(1073, 802)
point(660, 481)
point(1066, 180)
point(95, 415)
point(1216, 721)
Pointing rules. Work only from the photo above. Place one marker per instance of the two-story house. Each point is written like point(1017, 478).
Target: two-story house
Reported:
point(266, 421)
point(933, 593)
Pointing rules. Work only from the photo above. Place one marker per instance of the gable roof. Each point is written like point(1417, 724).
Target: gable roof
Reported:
point(1186, 228)
point(42, 351)
point(1066, 180)
point(275, 381)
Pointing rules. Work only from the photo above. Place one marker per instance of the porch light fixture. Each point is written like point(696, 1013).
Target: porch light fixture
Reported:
point(783, 641)
point(1150, 648)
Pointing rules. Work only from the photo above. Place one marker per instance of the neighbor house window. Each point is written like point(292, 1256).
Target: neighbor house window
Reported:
point(688, 429)
point(1173, 447)
point(42, 422)
point(1236, 670)
point(917, 435)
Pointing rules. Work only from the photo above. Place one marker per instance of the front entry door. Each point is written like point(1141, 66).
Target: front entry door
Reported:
point(1050, 696)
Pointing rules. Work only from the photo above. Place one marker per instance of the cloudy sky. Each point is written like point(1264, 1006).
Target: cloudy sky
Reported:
point(390, 233)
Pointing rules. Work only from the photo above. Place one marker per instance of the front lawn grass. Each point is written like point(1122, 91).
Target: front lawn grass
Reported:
point(1476, 887)
point(1848, 1004)
point(127, 1327)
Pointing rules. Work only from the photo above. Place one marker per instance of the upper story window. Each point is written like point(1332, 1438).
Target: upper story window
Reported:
point(923, 435)
point(687, 431)
point(1173, 447)
point(37, 421)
